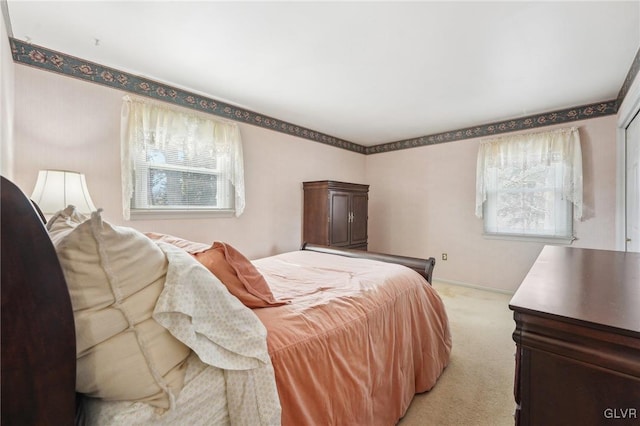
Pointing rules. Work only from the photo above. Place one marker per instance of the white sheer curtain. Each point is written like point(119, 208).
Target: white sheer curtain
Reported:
point(540, 160)
point(150, 129)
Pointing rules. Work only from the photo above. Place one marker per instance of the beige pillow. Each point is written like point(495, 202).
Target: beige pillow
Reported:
point(115, 275)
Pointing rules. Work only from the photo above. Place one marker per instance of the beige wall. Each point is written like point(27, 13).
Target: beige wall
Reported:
point(64, 123)
point(423, 201)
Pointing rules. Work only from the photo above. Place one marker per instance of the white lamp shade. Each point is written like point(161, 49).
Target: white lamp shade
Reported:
point(56, 189)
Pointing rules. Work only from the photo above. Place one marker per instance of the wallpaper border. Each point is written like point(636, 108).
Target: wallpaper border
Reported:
point(51, 60)
point(598, 109)
point(628, 81)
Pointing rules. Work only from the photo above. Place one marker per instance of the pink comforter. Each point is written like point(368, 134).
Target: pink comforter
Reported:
point(357, 341)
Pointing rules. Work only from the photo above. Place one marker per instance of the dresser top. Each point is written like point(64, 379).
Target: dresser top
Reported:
point(597, 288)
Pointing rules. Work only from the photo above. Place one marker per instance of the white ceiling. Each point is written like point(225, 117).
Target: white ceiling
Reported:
point(367, 72)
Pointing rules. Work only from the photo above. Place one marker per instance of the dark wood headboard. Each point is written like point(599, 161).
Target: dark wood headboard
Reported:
point(38, 335)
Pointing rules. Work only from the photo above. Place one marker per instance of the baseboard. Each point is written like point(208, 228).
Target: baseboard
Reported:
point(477, 287)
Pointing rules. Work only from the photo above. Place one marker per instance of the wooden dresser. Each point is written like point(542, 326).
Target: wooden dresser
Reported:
point(577, 335)
point(335, 214)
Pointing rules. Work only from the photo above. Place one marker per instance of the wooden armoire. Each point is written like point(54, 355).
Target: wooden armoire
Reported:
point(335, 214)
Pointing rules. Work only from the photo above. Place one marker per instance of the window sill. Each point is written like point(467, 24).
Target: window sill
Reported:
point(155, 214)
point(546, 239)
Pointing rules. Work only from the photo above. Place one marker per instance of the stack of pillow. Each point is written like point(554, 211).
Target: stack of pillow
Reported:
point(115, 275)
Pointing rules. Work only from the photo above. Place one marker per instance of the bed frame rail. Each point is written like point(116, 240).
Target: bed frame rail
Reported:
point(422, 266)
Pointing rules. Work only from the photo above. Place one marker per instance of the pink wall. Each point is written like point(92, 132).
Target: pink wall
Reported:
point(423, 200)
point(7, 68)
point(63, 123)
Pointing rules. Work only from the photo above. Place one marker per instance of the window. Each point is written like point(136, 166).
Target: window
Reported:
point(530, 185)
point(177, 161)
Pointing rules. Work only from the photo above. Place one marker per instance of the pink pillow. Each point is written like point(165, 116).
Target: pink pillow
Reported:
point(238, 274)
point(231, 267)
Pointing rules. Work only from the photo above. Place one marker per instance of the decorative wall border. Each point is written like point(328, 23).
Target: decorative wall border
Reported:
point(628, 81)
point(526, 123)
point(50, 60)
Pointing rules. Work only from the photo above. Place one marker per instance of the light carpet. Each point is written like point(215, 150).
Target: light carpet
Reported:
point(476, 389)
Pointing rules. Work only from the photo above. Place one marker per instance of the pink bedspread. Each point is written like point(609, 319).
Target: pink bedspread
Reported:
point(357, 341)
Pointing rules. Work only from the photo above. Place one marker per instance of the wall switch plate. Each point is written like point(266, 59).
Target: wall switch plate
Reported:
point(444, 256)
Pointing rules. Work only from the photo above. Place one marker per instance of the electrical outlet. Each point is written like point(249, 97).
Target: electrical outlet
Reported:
point(444, 256)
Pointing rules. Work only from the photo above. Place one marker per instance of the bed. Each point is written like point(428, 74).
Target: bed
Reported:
point(338, 340)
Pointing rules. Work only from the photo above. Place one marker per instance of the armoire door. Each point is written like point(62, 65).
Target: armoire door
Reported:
point(359, 217)
point(339, 226)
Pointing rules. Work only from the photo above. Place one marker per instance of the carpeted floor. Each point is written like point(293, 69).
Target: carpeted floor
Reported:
point(476, 389)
